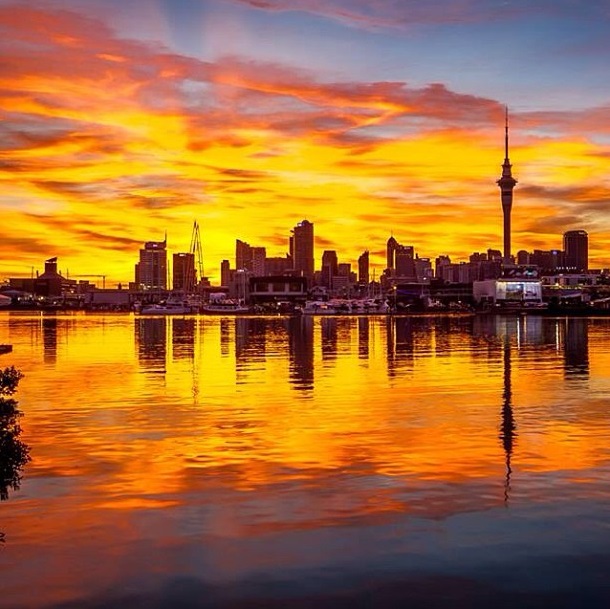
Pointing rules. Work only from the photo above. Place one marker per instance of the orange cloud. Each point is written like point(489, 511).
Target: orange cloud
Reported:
point(121, 140)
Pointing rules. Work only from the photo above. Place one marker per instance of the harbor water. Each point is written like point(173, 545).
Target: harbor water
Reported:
point(450, 461)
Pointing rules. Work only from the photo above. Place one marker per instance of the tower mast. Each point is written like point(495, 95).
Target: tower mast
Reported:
point(506, 184)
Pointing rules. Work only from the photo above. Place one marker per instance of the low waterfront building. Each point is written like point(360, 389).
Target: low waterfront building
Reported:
point(507, 292)
point(277, 289)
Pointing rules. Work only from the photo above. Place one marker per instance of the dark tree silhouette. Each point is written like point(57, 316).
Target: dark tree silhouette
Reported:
point(14, 454)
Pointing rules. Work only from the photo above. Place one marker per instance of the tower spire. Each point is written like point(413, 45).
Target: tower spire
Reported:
point(506, 184)
point(506, 135)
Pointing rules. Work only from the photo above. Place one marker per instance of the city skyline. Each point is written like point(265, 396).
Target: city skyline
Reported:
point(121, 124)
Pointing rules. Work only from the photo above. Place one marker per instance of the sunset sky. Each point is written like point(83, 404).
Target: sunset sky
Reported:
point(120, 120)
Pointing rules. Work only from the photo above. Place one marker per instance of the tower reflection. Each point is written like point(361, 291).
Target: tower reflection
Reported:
point(507, 426)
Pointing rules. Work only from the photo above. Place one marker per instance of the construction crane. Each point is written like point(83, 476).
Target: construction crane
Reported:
point(196, 250)
point(84, 276)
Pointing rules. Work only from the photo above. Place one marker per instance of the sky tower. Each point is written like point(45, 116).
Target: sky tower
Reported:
point(506, 184)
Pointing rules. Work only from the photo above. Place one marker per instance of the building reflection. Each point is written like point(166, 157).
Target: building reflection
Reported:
point(576, 347)
point(49, 339)
point(151, 342)
point(399, 343)
point(225, 337)
point(250, 338)
point(183, 338)
point(301, 352)
point(329, 337)
point(363, 337)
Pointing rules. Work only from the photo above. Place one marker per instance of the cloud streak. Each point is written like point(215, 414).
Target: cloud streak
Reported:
point(390, 14)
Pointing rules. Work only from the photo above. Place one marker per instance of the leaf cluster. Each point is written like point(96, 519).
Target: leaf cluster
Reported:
point(9, 379)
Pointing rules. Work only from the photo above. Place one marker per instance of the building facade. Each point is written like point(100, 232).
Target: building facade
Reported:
point(184, 276)
point(151, 270)
point(363, 268)
point(302, 249)
point(576, 251)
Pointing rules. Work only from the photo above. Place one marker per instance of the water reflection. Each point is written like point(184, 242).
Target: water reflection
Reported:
point(364, 337)
point(151, 342)
point(251, 337)
point(329, 334)
point(407, 339)
point(49, 339)
point(225, 335)
point(301, 352)
point(399, 344)
point(376, 446)
point(507, 427)
point(576, 351)
point(183, 338)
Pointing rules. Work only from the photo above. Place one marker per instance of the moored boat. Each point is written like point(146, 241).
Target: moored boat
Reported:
point(167, 309)
point(337, 306)
point(226, 306)
point(320, 307)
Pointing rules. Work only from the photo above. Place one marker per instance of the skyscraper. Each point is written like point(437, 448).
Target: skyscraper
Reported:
point(330, 264)
point(301, 249)
point(259, 256)
point(576, 250)
point(243, 255)
point(225, 273)
point(151, 270)
point(391, 247)
point(506, 184)
point(184, 275)
point(363, 268)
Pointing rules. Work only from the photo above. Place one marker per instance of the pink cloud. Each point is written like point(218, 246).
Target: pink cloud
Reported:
point(403, 13)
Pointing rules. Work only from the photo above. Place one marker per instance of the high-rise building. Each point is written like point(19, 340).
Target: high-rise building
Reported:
point(330, 263)
point(243, 255)
point(399, 259)
point(344, 269)
point(301, 249)
point(423, 269)
point(363, 268)
point(576, 250)
point(523, 257)
point(405, 263)
point(439, 263)
point(151, 270)
point(184, 276)
point(547, 261)
point(506, 184)
point(391, 247)
point(277, 265)
point(259, 255)
point(225, 273)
